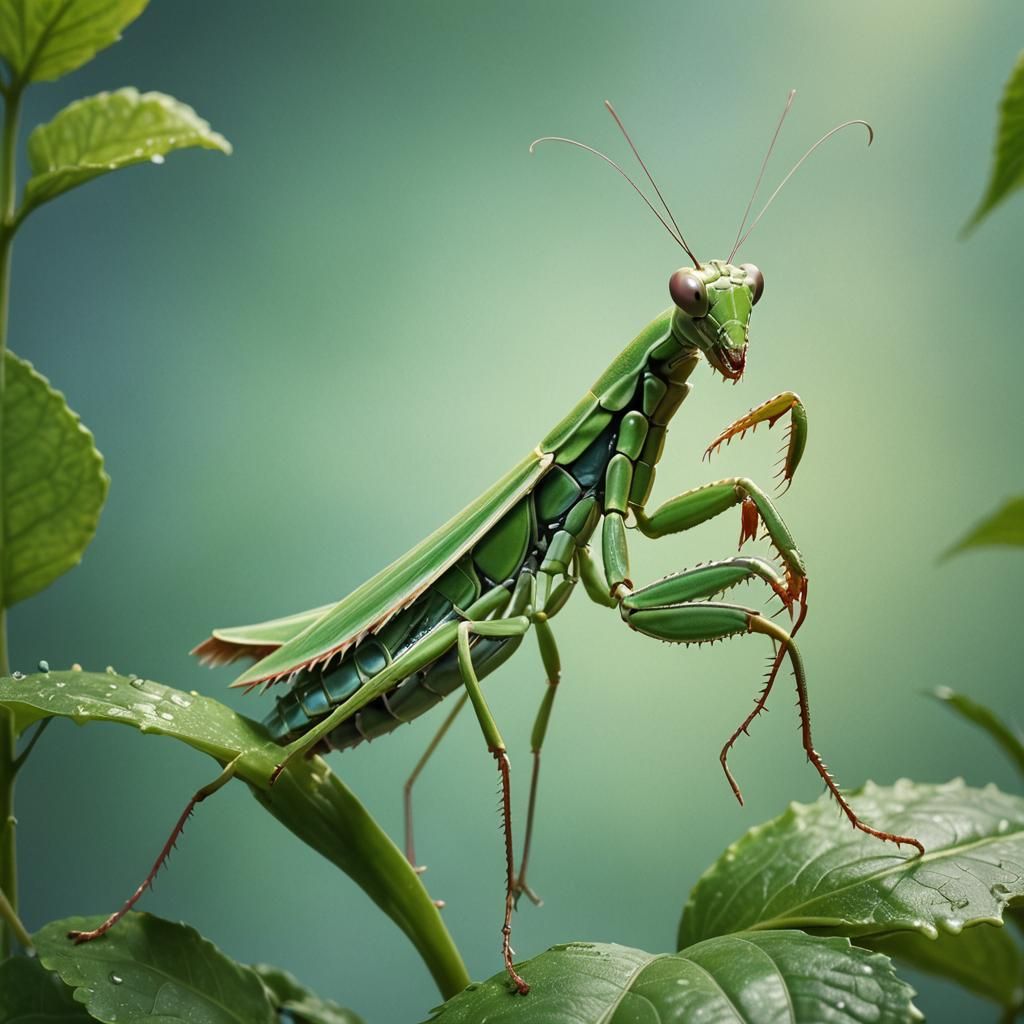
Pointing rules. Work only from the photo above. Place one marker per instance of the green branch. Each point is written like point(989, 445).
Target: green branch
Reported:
point(8, 737)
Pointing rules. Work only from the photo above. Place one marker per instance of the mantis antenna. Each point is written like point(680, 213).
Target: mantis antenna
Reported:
point(796, 167)
point(760, 174)
point(650, 178)
point(676, 234)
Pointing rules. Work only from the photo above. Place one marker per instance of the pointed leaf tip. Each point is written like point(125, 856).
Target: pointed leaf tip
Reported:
point(106, 132)
point(1007, 174)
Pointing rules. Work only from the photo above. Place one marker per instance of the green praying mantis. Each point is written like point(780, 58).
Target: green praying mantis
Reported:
point(459, 604)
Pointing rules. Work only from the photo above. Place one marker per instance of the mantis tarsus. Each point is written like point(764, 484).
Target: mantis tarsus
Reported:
point(456, 606)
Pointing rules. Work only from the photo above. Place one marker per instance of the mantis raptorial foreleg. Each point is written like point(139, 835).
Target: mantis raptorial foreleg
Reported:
point(771, 412)
point(691, 508)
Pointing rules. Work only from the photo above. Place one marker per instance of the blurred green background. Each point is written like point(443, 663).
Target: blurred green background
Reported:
point(300, 360)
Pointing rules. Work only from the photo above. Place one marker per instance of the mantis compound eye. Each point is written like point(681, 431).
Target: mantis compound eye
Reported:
point(756, 281)
point(688, 293)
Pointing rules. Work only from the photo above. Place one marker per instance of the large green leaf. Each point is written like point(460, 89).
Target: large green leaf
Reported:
point(1004, 527)
point(29, 994)
point(53, 483)
point(289, 995)
point(1008, 163)
point(805, 869)
point(778, 977)
point(1008, 738)
point(103, 133)
point(308, 798)
point(984, 959)
point(151, 971)
point(43, 39)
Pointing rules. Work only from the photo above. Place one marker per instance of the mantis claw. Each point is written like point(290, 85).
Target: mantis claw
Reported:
point(771, 412)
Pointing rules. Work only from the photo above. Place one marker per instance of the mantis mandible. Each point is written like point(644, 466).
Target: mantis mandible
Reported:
point(454, 608)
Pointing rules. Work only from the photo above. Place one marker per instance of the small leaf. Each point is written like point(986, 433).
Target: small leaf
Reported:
point(777, 977)
point(53, 480)
point(984, 959)
point(151, 971)
point(1008, 738)
point(43, 39)
point(1008, 162)
point(289, 995)
point(29, 994)
point(806, 870)
point(308, 798)
point(103, 133)
point(1004, 527)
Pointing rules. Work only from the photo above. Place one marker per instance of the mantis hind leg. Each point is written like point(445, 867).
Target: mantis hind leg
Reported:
point(410, 849)
point(678, 609)
point(197, 798)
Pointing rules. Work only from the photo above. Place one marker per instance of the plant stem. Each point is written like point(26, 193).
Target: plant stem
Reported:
point(9, 932)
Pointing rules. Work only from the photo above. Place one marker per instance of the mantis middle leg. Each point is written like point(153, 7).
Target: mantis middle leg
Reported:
point(680, 609)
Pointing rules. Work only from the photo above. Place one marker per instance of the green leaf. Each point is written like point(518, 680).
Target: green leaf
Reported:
point(805, 869)
point(54, 484)
point(1004, 527)
point(984, 959)
point(103, 133)
point(1008, 738)
point(29, 994)
point(153, 971)
point(288, 994)
point(43, 39)
point(775, 977)
point(308, 798)
point(1008, 162)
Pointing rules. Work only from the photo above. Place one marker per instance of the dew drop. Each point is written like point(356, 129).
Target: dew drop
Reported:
point(60, 686)
point(17, 675)
point(139, 684)
point(167, 716)
point(111, 671)
point(76, 667)
point(146, 709)
point(1003, 825)
point(156, 158)
point(44, 666)
point(116, 979)
point(182, 702)
point(841, 1005)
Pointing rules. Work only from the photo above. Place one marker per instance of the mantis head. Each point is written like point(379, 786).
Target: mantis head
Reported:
point(713, 305)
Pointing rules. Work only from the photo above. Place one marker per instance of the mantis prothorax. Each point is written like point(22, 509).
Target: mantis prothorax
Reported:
point(460, 603)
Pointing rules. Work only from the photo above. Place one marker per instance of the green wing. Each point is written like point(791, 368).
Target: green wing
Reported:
point(255, 641)
point(334, 629)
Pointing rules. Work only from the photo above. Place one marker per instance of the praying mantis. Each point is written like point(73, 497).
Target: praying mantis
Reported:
point(459, 604)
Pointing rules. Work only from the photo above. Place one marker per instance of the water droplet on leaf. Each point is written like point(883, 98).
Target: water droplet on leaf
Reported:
point(17, 675)
point(116, 979)
point(156, 158)
point(44, 666)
